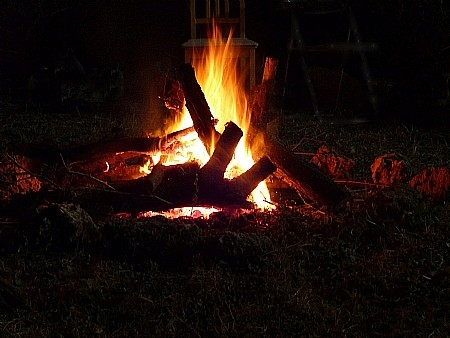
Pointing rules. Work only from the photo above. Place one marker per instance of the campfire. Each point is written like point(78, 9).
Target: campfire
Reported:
point(225, 95)
point(215, 155)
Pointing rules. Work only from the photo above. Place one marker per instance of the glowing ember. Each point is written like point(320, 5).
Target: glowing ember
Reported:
point(216, 72)
point(197, 212)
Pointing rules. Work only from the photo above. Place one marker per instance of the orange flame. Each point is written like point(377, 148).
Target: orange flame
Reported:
point(217, 73)
point(223, 86)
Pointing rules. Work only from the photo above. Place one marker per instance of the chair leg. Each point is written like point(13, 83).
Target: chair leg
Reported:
point(364, 66)
point(188, 55)
point(252, 69)
point(296, 44)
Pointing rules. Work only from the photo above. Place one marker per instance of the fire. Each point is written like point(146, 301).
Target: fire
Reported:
point(216, 72)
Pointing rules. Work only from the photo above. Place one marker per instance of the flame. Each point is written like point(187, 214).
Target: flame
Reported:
point(217, 73)
point(224, 88)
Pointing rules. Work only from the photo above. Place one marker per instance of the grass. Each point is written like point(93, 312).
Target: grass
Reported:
point(377, 266)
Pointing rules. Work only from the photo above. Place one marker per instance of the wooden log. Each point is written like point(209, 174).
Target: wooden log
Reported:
point(264, 113)
point(166, 187)
point(106, 168)
point(304, 177)
point(215, 168)
point(100, 204)
point(245, 183)
point(146, 185)
point(198, 108)
point(87, 152)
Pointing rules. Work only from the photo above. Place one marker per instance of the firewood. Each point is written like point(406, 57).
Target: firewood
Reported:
point(166, 187)
point(304, 177)
point(146, 185)
point(198, 107)
point(215, 168)
point(245, 183)
point(265, 115)
point(50, 155)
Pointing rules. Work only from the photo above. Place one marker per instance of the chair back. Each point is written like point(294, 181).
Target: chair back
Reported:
point(229, 15)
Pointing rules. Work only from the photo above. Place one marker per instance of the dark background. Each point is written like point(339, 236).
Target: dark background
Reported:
point(144, 39)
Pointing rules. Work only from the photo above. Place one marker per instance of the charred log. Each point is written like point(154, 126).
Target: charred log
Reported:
point(244, 184)
point(49, 155)
point(198, 107)
point(223, 153)
point(264, 111)
point(304, 177)
point(158, 179)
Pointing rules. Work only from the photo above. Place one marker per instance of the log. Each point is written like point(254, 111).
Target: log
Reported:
point(160, 173)
point(305, 178)
point(198, 108)
point(106, 168)
point(245, 183)
point(87, 152)
point(166, 187)
point(100, 204)
point(51, 155)
point(215, 168)
point(265, 115)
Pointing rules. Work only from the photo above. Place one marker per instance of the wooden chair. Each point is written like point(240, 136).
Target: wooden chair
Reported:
point(337, 15)
point(229, 16)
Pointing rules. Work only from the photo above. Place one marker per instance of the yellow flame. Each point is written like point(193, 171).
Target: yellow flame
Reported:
point(217, 73)
point(224, 88)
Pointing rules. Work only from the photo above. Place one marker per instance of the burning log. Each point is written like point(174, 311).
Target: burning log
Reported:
point(223, 153)
point(187, 184)
point(50, 155)
point(248, 181)
point(198, 107)
point(147, 185)
point(304, 177)
point(265, 115)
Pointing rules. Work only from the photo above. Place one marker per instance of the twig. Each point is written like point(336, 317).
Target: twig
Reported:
point(38, 176)
point(364, 184)
point(86, 175)
point(305, 154)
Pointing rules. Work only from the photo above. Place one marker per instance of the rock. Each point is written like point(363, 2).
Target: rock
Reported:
point(63, 227)
point(434, 182)
point(388, 170)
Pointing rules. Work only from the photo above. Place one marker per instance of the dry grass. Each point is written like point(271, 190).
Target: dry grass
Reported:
point(378, 266)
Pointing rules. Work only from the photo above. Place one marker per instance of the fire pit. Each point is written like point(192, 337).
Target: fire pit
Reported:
point(213, 156)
